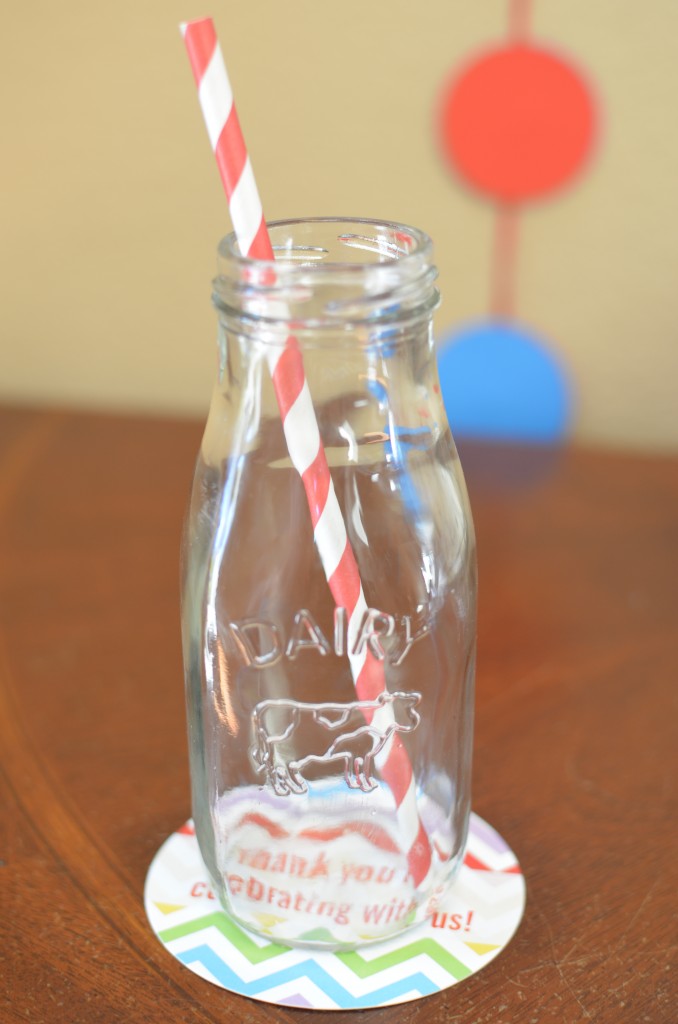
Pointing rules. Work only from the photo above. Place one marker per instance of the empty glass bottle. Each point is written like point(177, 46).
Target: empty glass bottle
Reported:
point(329, 593)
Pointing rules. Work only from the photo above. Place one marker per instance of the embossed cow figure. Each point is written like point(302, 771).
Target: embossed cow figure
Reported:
point(291, 737)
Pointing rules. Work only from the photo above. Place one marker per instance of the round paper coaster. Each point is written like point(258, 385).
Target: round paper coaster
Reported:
point(475, 922)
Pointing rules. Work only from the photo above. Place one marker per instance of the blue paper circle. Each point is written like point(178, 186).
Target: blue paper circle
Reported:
point(500, 382)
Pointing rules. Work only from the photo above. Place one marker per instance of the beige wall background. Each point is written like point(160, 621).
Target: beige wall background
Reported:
point(111, 207)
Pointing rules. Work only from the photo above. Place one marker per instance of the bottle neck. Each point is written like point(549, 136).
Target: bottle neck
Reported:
point(334, 283)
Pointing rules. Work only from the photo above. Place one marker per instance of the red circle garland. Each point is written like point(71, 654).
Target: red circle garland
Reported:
point(517, 123)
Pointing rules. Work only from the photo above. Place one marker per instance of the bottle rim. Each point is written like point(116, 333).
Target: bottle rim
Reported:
point(408, 243)
point(388, 276)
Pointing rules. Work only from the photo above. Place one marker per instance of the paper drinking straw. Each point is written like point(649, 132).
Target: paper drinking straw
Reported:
point(301, 429)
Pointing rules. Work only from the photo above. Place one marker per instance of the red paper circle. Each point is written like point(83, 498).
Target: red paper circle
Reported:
point(517, 123)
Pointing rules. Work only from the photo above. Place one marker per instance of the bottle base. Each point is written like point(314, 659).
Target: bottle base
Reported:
point(321, 877)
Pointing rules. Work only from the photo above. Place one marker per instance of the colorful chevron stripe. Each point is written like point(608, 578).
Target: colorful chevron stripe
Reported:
point(361, 967)
point(310, 973)
point(229, 929)
point(475, 922)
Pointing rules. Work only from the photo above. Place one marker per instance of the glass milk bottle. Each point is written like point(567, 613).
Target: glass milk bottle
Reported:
point(329, 593)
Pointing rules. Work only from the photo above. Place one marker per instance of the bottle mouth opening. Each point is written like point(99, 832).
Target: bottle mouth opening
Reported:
point(329, 273)
point(337, 243)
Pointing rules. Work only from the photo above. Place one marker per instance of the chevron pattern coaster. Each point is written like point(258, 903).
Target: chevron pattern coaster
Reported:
point(476, 920)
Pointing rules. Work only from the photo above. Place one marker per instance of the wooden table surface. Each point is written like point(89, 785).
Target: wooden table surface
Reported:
point(575, 750)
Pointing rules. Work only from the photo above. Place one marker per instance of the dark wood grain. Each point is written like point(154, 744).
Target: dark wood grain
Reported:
point(575, 736)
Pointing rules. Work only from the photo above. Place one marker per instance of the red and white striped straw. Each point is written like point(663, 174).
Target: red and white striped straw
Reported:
point(301, 429)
